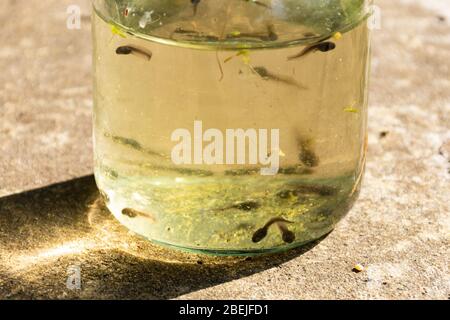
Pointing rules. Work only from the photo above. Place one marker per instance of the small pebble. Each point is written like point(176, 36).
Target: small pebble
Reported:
point(358, 268)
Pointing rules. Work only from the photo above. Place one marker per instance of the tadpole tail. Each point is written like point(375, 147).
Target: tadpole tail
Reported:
point(143, 54)
point(127, 50)
point(305, 52)
point(276, 220)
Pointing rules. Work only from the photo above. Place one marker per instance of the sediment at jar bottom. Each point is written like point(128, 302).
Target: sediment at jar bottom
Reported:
point(245, 214)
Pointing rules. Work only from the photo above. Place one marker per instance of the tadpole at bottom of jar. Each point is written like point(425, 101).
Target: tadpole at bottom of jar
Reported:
point(259, 235)
point(132, 213)
point(287, 235)
point(127, 50)
point(245, 205)
point(300, 192)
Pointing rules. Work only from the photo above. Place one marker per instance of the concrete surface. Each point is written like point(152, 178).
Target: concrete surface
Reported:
point(399, 229)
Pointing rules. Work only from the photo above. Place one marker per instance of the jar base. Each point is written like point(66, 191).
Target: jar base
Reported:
point(239, 253)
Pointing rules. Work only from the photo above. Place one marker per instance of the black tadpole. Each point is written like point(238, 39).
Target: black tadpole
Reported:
point(287, 235)
point(247, 206)
point(322, 47)
point(124, 50)
point(259, 235)
point(127, 50)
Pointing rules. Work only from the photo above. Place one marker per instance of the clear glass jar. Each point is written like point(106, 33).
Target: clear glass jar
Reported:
point(230, 126)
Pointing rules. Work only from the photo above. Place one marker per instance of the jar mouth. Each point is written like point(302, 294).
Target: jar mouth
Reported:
point(211, 28)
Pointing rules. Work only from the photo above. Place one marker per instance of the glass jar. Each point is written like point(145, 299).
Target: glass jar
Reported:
point(231, 127)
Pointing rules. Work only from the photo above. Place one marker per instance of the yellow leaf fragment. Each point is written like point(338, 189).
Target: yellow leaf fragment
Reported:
point(115, 30)
point(337, 36)
point(245, 54)
point(351, 110)
point(246, 59)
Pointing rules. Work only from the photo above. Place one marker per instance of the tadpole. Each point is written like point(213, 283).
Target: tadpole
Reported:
point(244, 206)
point(247, 205)
point(299, 190)
point(128, 142)
point(132, 213)
point(127, 50)
point(185, 31)
point(297, 169)
point(322, 47)
point(261, 233)
point(287, 235)
point(242, 172)
point(267, 75)
point(134, 145)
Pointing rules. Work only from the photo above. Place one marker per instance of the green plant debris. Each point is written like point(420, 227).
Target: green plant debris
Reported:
point(322, 190)
point(297, 169)
point(268, 35)
point(242, 172)
point(184, 171)
point(245, 54)
point(110, 173)
point(215, 203)
point(300, 190)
